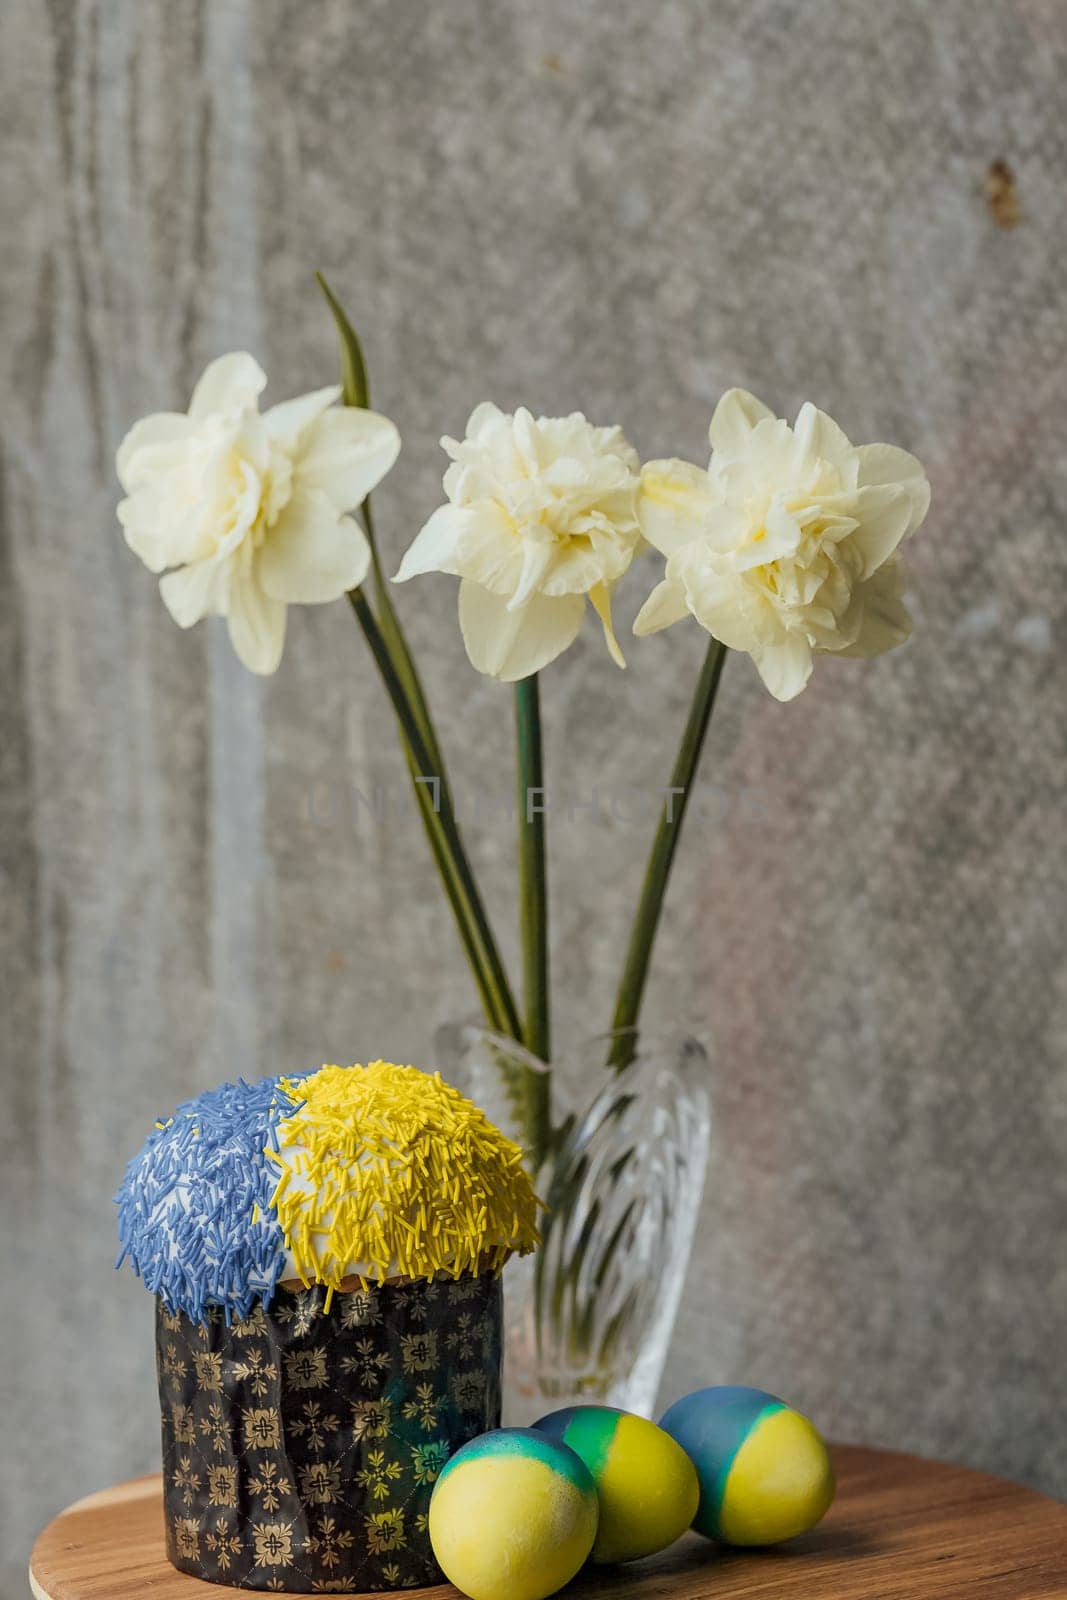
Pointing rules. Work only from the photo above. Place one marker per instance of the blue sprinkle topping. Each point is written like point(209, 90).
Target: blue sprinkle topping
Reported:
point(187, 1202)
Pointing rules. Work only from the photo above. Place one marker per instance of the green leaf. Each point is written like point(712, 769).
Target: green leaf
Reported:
point(353, 367)
point(445, 840)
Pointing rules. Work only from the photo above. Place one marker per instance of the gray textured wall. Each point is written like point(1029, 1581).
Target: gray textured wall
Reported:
point(624, 207)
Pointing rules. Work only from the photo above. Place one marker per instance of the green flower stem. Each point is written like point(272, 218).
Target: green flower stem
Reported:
point(355, 386)
point(403, 660)
point(658, 870)
point(533, 906)
point(447, 845)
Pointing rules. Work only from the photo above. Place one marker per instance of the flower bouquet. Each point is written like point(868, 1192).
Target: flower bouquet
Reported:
point(783, 548)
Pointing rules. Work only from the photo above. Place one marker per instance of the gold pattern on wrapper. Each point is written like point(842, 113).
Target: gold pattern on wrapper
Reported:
point(301, 1445)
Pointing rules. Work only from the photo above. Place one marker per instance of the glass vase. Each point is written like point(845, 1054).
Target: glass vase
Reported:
point(589, 1317)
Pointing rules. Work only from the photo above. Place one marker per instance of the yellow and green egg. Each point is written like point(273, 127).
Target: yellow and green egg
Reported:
point(516, 1513)
point(513, 1516)
point(646, 1485)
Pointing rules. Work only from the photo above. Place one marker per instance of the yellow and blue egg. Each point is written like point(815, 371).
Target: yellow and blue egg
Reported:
point(513, 1516)
point(646, 1485)
point(764, 1470)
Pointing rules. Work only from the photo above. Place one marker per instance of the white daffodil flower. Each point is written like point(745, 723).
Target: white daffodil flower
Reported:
point(540, 517)
point(786, 545)
point(247, 509)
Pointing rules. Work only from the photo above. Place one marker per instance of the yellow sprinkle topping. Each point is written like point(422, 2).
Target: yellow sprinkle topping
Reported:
point(386, 1171)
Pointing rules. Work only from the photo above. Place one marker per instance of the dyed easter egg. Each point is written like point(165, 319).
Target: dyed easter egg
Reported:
point(764, 1471)
point(513, 1516)
point(646, 1484)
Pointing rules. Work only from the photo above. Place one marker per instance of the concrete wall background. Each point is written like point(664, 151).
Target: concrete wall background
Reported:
point(625, 208)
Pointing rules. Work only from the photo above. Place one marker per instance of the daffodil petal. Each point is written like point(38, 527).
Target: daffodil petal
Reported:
point(664, 606)
point(736, 414)
point(885, 622)
point(600, 600)
point(884, 513)
point(536, 560)
point(150, 532)
point(484, 418)
point(527, 438)
point(468, 542)
point(885, 463)
point(257, 625)
point(312, 554)
point(196, 591)
point(286, 422)
point(673, 502)
point(147, 443)
point(727, 532)
point(231, 383)
point(514, 644)
point(436, 546)
point(785, 667)
point(819, 435)
point(727, 612)
point(346, 453)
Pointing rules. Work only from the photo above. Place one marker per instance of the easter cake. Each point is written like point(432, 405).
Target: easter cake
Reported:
point(325, 1254)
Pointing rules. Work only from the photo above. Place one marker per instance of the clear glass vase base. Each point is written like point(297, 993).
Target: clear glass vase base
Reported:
point(589, 1317)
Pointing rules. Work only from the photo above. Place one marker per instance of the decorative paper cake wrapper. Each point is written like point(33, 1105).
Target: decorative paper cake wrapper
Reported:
point(301, 1446)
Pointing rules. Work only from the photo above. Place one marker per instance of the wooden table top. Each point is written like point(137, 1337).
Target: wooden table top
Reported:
point(899, 1528)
